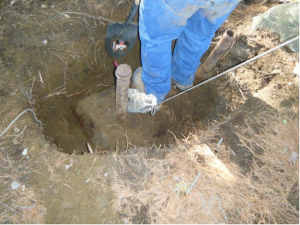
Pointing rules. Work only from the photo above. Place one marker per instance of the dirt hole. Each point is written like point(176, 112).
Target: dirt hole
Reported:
point(69, 63)
point(175, 120)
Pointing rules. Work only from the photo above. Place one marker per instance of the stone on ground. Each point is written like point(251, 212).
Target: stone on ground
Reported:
point(283, 20)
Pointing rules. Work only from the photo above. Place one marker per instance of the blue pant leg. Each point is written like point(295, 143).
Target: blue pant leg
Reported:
point(192, 44)
point(158, 26)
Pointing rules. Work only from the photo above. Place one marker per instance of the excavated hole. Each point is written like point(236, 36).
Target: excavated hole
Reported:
point(176, 119)
point(82, 68)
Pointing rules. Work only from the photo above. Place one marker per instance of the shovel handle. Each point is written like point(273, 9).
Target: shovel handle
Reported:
point(132, 13)
point(116, 64)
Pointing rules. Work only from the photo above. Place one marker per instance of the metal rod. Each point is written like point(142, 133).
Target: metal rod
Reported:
point(231, 69)
point(123, 74)
point(222, 46)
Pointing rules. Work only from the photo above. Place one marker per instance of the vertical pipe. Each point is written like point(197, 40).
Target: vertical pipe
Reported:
point(123, 74)
point(222, 46)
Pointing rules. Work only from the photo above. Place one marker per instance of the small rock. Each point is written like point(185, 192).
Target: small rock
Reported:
point(16, 130)
point(101, 202)
point(67, 16)
point(43, 6)
point(52, 6)
point(282, 19)
point(87, 181)
point(46, 145)
point(15, 185)
point(25, 151)
point(15, 141)
point(296, 69)
point(68, 204)
point(45, 41)
point(294, 157)
point(68, 166)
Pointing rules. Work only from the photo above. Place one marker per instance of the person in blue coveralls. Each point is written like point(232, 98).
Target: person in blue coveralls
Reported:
point(192, 23)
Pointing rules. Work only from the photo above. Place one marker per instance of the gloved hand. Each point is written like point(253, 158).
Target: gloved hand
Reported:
point(137, 2)
point(140, 102)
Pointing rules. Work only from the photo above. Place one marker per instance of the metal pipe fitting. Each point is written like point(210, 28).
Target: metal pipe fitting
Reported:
point(222, 46)
point(123, 74)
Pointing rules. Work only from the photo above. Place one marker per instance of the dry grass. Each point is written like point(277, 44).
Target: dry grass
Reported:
point(21, 205)
point(23, 209)
point(268, 194)
point(17, 206)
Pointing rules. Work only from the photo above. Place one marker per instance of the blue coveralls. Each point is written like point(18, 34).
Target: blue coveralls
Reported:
point(193, 23)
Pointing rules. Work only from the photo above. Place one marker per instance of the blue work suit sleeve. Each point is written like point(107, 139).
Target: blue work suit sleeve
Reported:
point(193, 23)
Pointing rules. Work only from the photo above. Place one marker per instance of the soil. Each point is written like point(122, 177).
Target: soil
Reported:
point(52, 56)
